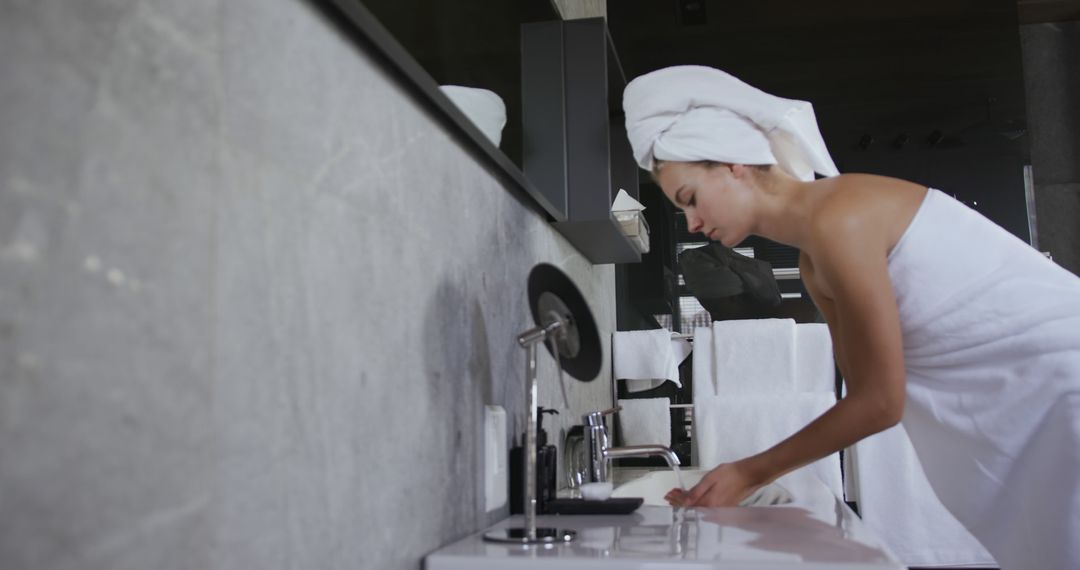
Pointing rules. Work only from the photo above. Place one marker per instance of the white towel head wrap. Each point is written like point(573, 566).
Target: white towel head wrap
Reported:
point(689, 113)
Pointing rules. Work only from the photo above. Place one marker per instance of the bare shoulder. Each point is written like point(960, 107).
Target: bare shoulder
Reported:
point(856, 221)
point(875, 210)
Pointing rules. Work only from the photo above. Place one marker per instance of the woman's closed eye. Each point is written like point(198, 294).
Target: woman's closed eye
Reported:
point(680, 198)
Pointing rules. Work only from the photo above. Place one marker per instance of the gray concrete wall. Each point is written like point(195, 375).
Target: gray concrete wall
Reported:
point(253, 298)
point(1051, 55)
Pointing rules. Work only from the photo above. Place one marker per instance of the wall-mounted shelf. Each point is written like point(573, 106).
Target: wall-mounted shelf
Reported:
point(575, 149)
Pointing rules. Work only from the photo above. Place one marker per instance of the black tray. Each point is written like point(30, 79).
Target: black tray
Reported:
point(620, 506)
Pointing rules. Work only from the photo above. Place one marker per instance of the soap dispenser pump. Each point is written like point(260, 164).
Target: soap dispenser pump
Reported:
point(546, 469)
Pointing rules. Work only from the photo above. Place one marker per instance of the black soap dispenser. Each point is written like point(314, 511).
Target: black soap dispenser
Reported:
point(545, 461)
point(545, 468)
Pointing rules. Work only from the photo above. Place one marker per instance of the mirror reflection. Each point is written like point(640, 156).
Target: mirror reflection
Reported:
point(473, 50)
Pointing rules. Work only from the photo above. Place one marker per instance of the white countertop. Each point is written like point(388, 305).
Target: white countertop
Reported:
point(816, 531)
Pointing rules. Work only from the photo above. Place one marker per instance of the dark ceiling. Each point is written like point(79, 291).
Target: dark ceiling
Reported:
point(1042, 11)
point(948, 65)
point(915, 66)
point(926, 90)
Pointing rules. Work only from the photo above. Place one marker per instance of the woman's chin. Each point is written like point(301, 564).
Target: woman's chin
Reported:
point(728, 242)
point(715, 235)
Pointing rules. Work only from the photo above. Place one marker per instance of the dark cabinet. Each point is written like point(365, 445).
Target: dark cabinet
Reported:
point(575, 149)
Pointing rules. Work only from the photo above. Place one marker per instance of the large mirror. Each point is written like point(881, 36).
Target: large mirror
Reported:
point(474, 48)
point(537, 96)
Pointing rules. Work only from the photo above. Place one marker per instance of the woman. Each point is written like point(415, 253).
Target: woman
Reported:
point(939, 317)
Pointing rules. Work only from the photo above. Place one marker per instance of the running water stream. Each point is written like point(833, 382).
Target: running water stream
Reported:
point(678, 476)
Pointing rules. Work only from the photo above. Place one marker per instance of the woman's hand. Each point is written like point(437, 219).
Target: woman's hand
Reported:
point(724, 486)
point(678, 497)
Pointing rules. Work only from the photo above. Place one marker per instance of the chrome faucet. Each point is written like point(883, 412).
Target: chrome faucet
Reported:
point(599, 454)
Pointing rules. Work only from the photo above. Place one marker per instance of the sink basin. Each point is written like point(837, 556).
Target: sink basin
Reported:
point(656, 484)
point(817, 530)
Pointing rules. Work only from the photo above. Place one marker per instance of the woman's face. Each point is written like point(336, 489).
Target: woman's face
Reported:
point(716, 198)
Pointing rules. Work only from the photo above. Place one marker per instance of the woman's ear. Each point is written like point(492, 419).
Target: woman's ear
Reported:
point(739, 171)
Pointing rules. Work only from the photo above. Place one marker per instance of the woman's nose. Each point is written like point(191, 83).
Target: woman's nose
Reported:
point(693, 223)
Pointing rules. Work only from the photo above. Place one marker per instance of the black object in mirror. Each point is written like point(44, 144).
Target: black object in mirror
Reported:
point(726, 283)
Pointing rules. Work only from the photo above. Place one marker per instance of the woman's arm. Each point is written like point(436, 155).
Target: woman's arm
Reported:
point(851, 274)
point(850, 259)
point(825, 305)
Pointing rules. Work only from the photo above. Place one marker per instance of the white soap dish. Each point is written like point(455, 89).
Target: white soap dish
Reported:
point(596, 491)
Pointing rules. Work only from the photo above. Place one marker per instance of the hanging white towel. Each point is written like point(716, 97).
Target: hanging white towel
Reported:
point(646, 421)
point(731, 427)
point(753, 356)
point(815, 370)
point(681, 348)
point(704, 355)
point(896, 501)
point(635, 386)
point(645, 355)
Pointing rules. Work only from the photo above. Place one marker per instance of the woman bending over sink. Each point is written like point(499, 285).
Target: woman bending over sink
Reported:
point(939, 318)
